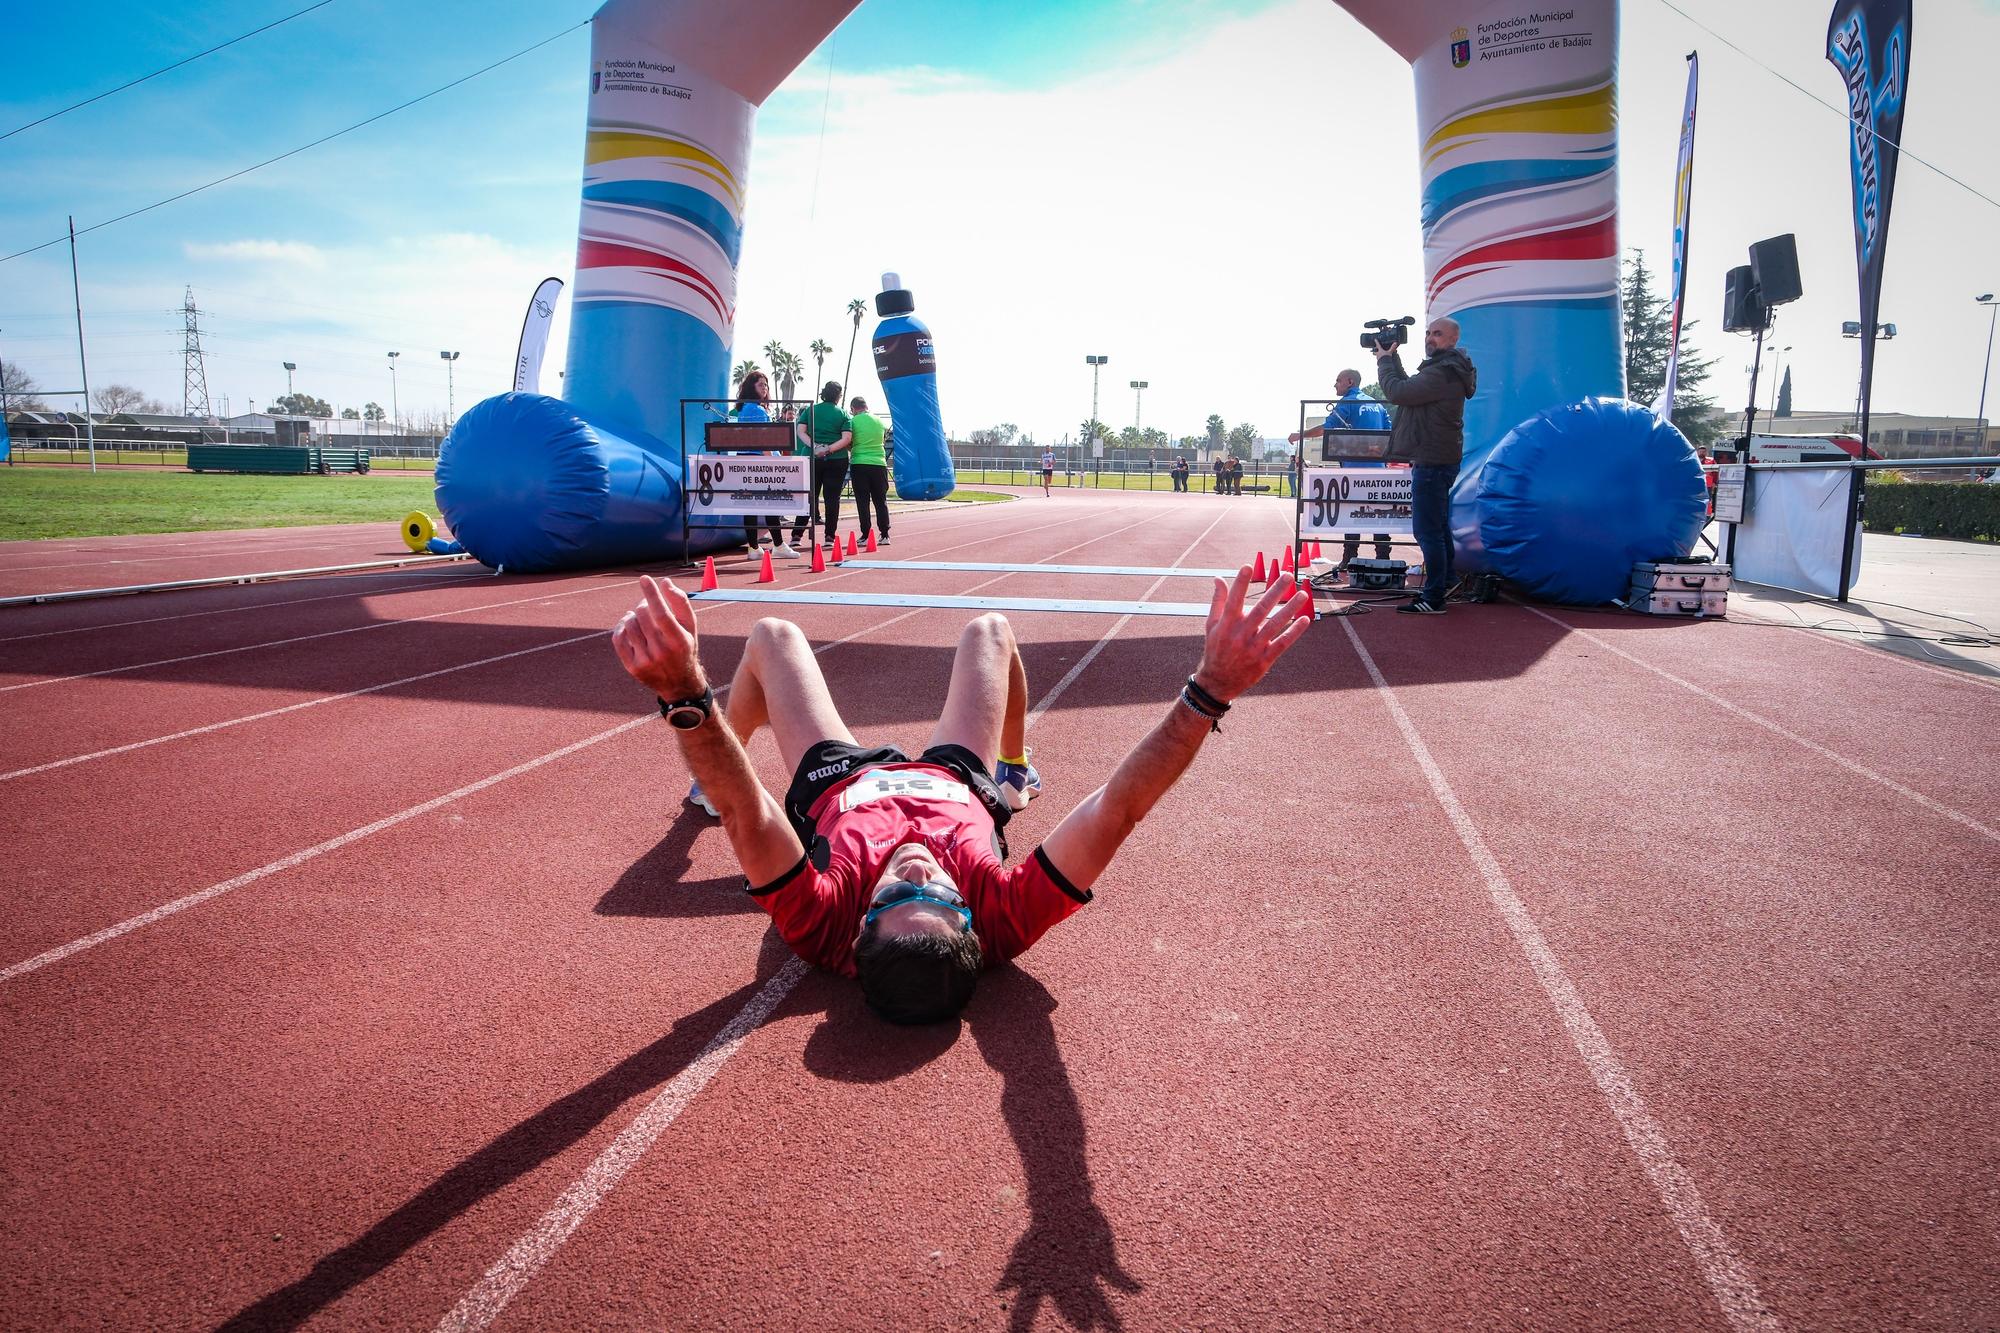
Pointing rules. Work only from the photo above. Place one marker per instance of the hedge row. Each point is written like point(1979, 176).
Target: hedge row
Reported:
point(1964, 509)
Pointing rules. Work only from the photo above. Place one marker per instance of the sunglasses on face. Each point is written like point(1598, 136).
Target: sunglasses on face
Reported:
point(903, 891)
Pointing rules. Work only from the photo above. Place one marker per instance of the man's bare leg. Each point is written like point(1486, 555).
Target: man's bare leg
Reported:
point(986, 705)
point(779, 682)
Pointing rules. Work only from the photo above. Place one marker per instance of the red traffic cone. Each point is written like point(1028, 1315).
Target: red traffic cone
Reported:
point(871, 541)
point(833, 552)
point(767, 574)
point(819, 558)
point(1286, 560)
point(1257, 570)
point(852, 549)
point(1308, 611)
point(708, 575)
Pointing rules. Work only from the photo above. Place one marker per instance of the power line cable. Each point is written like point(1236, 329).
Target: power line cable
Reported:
point(1883, 138)
point(380, 115)
point(164, 70)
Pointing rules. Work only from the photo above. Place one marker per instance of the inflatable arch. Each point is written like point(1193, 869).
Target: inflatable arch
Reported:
point(1517, 132)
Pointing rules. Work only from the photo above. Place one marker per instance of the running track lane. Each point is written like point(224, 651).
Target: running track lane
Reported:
point(1087, 981)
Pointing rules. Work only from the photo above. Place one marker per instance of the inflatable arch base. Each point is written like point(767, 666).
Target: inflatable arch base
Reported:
point(1569, 499)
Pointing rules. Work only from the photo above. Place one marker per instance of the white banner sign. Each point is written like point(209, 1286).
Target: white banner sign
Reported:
point(1356, 499)
point(535, 336)
point(748, 485)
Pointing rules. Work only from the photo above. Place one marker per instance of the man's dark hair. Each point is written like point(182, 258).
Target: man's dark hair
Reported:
point(915, 979)
point(831, 393)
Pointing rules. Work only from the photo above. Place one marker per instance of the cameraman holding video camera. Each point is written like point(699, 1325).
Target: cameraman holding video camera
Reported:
point(1429, 434)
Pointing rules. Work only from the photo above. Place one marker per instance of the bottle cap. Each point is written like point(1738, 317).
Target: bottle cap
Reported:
point(895, 298)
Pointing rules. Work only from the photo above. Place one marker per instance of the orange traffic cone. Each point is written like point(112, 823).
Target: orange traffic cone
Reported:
point(1319, 553)
point(1286, 560)
point(833, 552)
point(708, 575)
point(852, 549)
point(767, 574)
point(1257, 570)
point(819, 557)
point(871, 541)
point(1308, 611)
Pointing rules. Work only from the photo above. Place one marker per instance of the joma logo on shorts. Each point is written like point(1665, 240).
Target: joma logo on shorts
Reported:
point(819, 773)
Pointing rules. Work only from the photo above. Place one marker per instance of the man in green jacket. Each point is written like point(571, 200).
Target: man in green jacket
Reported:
point(869, 468)
point(824, 430)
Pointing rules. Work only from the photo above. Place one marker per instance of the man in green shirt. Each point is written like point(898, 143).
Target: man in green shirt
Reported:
point(824, 430)
point(870, 467)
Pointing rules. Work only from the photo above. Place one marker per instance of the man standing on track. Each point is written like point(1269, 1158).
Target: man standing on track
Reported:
point(1353, 410)
point(1430, 435)
point(889, 868)
point(870, 470)
point(825, 429)
point(1048, 469)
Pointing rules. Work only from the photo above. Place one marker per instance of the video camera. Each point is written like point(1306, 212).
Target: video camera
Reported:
point(1387, 335)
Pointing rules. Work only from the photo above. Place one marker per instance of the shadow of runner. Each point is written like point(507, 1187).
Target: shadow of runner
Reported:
point(1068, 1254)
point(552, 1130)
point(652, 885)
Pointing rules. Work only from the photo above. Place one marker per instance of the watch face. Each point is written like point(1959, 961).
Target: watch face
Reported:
point(687, 717)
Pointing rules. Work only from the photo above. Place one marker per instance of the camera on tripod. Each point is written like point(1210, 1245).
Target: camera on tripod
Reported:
point(1387, 334)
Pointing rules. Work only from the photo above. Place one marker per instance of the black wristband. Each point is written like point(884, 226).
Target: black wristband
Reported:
point(1214, 720)
point(1202, 696)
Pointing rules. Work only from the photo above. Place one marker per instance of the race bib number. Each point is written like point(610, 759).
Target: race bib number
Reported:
point(880, 783)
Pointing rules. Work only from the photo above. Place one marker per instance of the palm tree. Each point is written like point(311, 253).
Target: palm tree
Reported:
point(744, 370)
point(789, 368)
point(775, 353)
point(854, 309)
point(820, 352)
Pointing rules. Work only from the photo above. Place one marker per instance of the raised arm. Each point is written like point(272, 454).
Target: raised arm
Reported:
point(1406, 390)
point(1241, 646)
point(658, 645)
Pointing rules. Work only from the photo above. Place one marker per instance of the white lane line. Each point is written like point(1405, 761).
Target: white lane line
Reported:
point(1728, 1277)
point(1859, 769)
point(510, 1274)
point(291, 708)
point(195, 899)
point(251, 549)
point(418, 578)
point(543, 596)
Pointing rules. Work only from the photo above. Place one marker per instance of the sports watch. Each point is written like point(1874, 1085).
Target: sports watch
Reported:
point(687, 714)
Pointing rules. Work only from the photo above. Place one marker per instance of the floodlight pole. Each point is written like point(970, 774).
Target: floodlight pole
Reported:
point(1138, 388)
point(1096, 364)
point(450, 399)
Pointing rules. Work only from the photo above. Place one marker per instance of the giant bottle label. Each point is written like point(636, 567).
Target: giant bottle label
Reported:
point(908, 353)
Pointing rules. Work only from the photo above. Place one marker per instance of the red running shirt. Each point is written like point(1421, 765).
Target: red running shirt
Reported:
point(818, 912)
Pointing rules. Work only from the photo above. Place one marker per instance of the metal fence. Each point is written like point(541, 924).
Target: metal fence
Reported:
point(1115, 474)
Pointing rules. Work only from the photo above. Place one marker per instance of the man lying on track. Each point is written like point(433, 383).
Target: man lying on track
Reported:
point(889, 868)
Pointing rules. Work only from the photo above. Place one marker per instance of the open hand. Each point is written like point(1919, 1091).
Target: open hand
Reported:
point(658, 644)
point(1243, 644)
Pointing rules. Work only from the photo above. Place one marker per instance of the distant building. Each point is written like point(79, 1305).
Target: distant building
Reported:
point(1894, 434)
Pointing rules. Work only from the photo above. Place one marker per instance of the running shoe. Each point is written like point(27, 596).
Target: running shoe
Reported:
point(1420, 607)
point(1019, 783)
point(700, 801)
point(884, 541)
point(789, 552)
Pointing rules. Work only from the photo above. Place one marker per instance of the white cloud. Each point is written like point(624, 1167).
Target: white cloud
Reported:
point(297, 254)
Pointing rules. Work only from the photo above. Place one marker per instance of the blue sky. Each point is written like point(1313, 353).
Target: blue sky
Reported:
point(1157, 179)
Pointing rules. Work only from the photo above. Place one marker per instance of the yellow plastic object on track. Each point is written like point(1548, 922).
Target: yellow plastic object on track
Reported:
point(418, 531)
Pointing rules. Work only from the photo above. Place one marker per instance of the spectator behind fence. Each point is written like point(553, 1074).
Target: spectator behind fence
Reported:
point(751, 395)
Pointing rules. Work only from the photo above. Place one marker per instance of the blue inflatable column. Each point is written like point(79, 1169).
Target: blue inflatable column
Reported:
point(906, 363)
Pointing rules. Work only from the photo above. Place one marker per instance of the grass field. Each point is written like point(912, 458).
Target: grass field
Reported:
point(47, 502)
point(112, 454)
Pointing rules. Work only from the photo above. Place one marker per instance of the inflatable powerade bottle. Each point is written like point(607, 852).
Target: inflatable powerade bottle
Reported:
point(907, 367)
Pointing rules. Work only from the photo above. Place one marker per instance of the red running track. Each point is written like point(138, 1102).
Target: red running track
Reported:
point(1513, 969)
